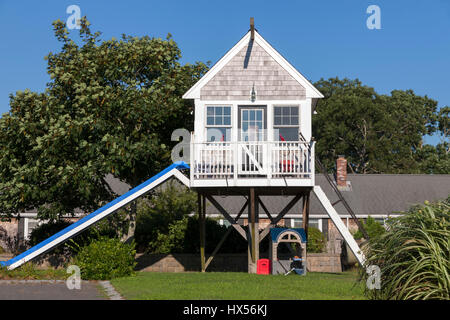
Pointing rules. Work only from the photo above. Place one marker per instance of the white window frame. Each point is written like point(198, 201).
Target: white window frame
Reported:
point(26, 228)
point(218, 126)
point(275, 126)
point(262, 121)
point(319, 222)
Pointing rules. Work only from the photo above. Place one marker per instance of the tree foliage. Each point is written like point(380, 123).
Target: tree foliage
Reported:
point(378, 133)
point(372, 227)
point(110, 107)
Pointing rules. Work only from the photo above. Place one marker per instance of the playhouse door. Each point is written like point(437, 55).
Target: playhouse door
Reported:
point(252, 135)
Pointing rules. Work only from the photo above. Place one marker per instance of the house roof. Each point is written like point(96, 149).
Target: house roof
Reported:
point(259, 42)
point(370, 194)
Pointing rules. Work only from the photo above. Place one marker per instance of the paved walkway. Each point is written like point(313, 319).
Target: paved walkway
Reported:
point(50, 290)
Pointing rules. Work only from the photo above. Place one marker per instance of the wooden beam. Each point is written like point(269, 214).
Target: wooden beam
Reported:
point(286, 209)
point(201, 220)
point(225, 236)
point(252, 221)
point(265, 209)
point(305, 213)
point(218, 247)
point(227, 216)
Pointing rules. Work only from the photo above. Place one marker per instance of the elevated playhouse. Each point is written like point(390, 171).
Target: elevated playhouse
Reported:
point(252, 138)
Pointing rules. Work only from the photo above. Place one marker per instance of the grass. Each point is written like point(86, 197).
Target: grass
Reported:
point(29, 272)
point(239, 286)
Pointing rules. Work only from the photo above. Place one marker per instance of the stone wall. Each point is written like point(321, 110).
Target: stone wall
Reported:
point(324, 262)
point(317, 262)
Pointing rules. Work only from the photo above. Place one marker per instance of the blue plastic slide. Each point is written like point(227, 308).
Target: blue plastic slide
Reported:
point(109, 208)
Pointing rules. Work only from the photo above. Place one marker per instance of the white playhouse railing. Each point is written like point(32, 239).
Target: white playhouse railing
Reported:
point(271, 159)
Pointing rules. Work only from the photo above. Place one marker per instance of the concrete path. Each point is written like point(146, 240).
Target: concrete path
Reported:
point(50, 290)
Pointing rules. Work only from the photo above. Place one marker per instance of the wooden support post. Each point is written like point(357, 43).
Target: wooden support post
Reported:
point(305, 213)
point(201, 218)
point(253, 234)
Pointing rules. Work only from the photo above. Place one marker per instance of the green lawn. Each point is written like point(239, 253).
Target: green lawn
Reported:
point(230, 285)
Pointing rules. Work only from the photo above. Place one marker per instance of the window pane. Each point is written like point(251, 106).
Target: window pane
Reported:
point(252, 114)
point(218, 134)
point(286, 121)
point(298, 223)
point(210, 111)
point(210, 121)
point(218, 120)
point(258, 115)
point(289, 134)
point(294, 111)
point(277, 111)
point(227, 120)
point(227, 111)
point(218, 111)
point(277, 121)
point(245, 114)
point(286, 111)
point(294, 120)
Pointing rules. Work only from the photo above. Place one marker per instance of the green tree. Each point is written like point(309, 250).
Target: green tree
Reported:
point(373, 228)
point(166, 206)
point(110, 107)
point(377, 133)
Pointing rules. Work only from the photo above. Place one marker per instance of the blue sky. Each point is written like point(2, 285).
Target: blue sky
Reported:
point(320, 38)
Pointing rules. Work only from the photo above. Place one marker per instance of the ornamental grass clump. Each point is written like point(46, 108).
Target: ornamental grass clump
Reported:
point(413, 255)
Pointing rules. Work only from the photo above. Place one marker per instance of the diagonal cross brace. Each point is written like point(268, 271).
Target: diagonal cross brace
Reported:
point(227, 216)
point(274, 222)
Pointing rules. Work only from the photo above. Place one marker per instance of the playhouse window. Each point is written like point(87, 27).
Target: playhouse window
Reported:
point(218, 122)
point(286, 123)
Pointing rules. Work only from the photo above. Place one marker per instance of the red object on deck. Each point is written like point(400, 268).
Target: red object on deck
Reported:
point(263, 266)
point(287, 165)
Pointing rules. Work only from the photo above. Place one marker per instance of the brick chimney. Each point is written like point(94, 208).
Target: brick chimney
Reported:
point(341, 171)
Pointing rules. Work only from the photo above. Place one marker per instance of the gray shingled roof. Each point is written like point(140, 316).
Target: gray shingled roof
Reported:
point(380, 194)
point(371, 194)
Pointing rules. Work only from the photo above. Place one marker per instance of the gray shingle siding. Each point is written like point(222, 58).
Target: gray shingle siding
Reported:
point(235, 80)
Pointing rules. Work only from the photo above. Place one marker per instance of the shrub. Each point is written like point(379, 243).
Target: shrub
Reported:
point(316, 241)
point(108, 227)
point(372, 227)
point(413, 255)
point(155, 215)
point(105, 258)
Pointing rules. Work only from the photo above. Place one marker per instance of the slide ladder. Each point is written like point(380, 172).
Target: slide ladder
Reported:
point(109, 208)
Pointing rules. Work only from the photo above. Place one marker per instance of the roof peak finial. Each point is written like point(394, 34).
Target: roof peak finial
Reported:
point(252, 28)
